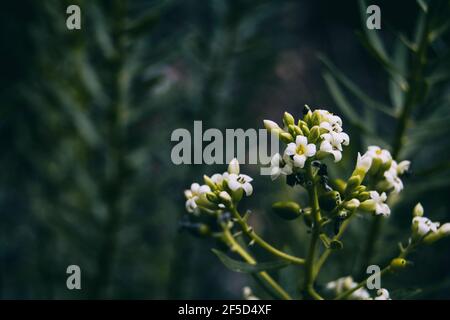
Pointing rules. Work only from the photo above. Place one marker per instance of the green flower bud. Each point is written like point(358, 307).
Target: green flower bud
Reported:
point(315, 119)
point(329, 200)
point(291, 129)
point(209, 182)
point(352, 184)
point(339, 185)
point(304, 128)
point(368, 205)
point(288, 210)
point(212, 197)
point(288, 119)
point(314, 134)
point(225, 198)
point(418, 210)
point(298, 131)
point(398, 264)
point(286, 137)
point(363, 196)
point(352, 204)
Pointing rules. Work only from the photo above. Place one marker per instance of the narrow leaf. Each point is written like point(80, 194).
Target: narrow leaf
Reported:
point(239, 266)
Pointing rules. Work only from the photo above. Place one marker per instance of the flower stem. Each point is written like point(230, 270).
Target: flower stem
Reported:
point(309, 267)
point(236, 247)
point(252, 235)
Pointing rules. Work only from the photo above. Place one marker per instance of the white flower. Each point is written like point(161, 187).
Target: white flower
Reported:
point(364, 162)
point(421, 226)
point(403, 166)
point(392, 178)
point(330, 127)
point(280, 165)
point(346, 283)
point(241, 181)
point(376, 204)
point(382, 154)
point(300, 150)
point(382, 294)
point(332, 143)
point(330, 118)
point(248, 294)
point(381, 208)
point(193, 194)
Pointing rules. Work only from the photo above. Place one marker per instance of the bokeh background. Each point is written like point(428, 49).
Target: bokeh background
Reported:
point(86, 118)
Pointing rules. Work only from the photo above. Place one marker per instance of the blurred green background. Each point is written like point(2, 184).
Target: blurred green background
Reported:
point(86, 117)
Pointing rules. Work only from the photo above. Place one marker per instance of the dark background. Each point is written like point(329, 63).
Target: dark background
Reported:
point(86, 118)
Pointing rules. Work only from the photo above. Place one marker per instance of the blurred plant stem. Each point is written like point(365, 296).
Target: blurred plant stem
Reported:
point(414, 95)
point(115, 180)
point(236, 247)
point(310, 260)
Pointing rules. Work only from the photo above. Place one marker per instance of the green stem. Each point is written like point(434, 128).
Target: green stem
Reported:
point(309, 267)
point(328, 251)
point(258, 240)
point(236, 247)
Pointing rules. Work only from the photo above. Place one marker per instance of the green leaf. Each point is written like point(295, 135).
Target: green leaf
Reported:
point(239, 266)
point(397, 94)
point(354, 89)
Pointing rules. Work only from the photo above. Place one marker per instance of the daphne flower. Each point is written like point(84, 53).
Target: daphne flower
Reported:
point(403, 166)
point(377, 204)
point(332, 143)
point(382, 154)
point(382, 294)
point(300, 150)
point(346, 283)
point(193, 194)
point(421, 226)
point(364, 162)
point(280, 165)
point(241, 181)
point(332, 119)
point(248, 294)
point(392, 178)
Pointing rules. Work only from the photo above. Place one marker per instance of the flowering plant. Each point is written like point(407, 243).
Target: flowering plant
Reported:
point(213, 208)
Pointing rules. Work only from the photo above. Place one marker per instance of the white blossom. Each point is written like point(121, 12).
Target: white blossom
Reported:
point(193, 194)
point(239, 181)
point(248, 294)
point(344, 284)
point(393, 179)
point(300, 151)
point(364, 162)
point(332, 143)
point(280, 165)
point(381, 208)
point(421, 226)
point(382, 294)
point(382, 154)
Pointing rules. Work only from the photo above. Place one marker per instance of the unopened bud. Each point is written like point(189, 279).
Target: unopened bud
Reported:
point(314, 134)
point(233, 167)
point(442, 232)
point(271, 125)
point(329, 200)
point(225, 198)
point(286, 137)
point(288, 210)
point(398, 264)
point(288, 119)
point(418, 210)
point(352, 204)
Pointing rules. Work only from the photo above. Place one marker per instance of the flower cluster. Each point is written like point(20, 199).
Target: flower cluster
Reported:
point(219, 190)
point(213, 206)
point(423, 229)
point(316, 136)
point(344, 284)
